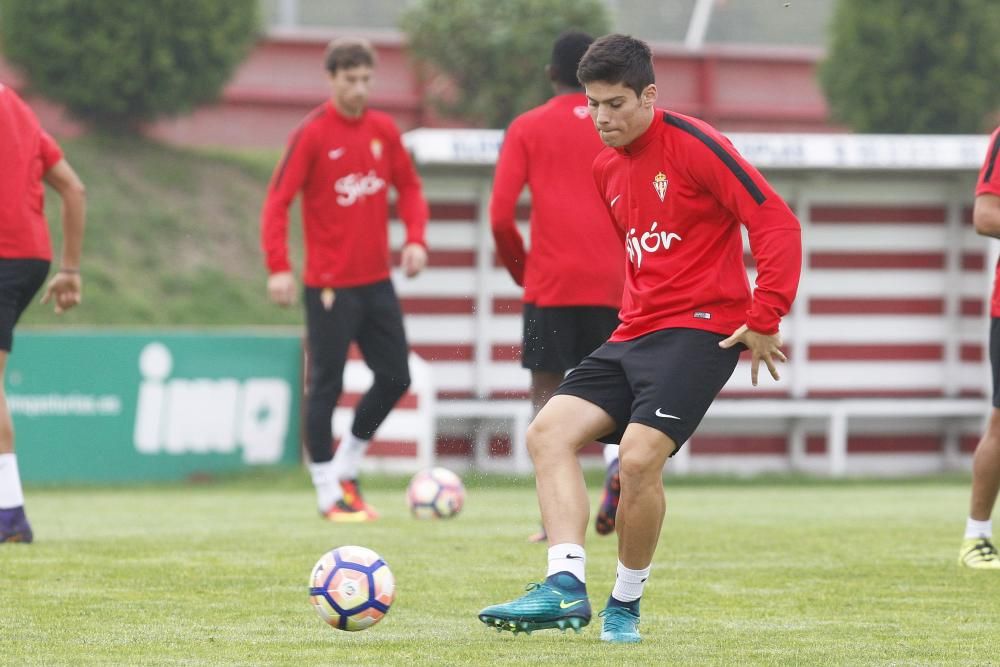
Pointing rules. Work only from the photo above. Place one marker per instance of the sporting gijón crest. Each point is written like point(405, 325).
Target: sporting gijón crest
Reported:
point(660, 184)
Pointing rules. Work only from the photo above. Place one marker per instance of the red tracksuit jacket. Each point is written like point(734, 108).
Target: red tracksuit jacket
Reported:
point(678, 195)
point(575, 259)
point(343, 167)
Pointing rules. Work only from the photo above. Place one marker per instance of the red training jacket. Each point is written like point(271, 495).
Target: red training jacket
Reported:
point(27, 152)
point(989, 184)
point(678, 195)
point(343, 167)
point(575, 259)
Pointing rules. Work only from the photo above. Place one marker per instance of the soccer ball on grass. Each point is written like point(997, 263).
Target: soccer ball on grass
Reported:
point(351, 588)
point(436, 493)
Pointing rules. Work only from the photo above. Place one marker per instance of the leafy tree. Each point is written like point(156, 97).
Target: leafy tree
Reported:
point(120, 62)
point(923, 66)
point(494, 52)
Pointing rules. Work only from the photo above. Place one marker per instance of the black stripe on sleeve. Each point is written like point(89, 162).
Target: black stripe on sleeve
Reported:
point(288, 155)
point(991, 162)
point(721, 153)
point(295, 142)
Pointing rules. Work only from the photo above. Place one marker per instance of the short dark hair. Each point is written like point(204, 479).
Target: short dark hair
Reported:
point(348, 52)
point(618, 59)
point(567, 50)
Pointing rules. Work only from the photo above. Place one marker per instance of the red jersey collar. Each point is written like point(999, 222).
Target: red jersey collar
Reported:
point(350, 120)
point(643, 139)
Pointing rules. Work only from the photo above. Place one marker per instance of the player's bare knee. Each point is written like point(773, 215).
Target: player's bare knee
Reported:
point(640, 465)
point(636, 471)
point(544, 439)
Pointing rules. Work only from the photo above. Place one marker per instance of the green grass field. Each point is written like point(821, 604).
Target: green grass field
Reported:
point(769, 572)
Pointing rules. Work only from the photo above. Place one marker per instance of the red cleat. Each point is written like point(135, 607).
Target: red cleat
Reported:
point(354, 499)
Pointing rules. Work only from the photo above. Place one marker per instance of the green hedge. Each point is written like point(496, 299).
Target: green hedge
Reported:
point(494, 52)
point(922, 66)
point(117, 63)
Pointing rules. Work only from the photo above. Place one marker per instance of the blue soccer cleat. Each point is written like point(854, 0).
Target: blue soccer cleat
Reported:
point(621, 626)
point(546, 605)
point(14, 526)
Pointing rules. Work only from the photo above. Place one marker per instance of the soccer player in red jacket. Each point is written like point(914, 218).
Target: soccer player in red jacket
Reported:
point(573, 276)
point(678, 193)
point(342, 158)
point(978, 551)
point(29, 156)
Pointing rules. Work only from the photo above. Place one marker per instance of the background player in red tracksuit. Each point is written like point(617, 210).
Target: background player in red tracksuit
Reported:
point(977, 550)
point(29, 156)
point(678, 193)
point(573, 276)
point(343, 158)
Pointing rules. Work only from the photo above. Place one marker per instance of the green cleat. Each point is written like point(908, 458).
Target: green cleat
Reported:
point(543, 607)
point(979, 553)
point(620, 626)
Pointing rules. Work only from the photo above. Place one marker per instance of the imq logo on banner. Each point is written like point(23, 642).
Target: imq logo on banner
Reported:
point(96, 407)
point(202, 415)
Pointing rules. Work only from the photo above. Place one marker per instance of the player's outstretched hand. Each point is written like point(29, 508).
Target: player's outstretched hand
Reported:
point(413, 259)
point(761, 346)
point(281, 288)
point(64, 289)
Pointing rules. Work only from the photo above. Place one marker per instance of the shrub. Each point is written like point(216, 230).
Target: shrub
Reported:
point(494, 52)
point(921, 66)
point(117, 63)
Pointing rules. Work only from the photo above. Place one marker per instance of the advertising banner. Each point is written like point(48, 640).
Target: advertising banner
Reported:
point(152, 406)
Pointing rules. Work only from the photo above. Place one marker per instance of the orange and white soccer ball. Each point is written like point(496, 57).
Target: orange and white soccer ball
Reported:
point(351, 588)
point(436, 493)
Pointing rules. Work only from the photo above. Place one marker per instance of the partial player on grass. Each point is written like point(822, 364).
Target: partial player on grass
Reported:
point(343, 158)
point(29, 156)
point(978, 551)
point(572, 276)
point(678, 193)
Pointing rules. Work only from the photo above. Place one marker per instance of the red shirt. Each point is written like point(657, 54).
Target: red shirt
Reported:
point(343, 167)
point(26, 153)
point(575, 259)
point(678, 195)
point(989, 184)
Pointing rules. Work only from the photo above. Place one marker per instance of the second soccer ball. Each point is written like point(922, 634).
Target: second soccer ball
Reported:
point(436, 493)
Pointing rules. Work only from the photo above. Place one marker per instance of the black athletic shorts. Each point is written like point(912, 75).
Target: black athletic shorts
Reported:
point(20, 280)
point(995, 358)
point(665, 380)
point(557, 338)
point(368, 314)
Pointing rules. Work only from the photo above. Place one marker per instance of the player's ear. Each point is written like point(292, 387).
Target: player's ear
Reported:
point(648, 97)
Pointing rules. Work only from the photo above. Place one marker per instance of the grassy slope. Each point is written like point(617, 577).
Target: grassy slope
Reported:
point(746, 574)
point(172, 237)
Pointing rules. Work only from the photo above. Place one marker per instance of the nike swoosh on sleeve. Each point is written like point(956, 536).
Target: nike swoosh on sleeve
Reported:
point(614, 200)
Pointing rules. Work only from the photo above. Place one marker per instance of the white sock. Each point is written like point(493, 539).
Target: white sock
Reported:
point(567, 558)
point(11, 493)
point(324, 478)
point(629, 583)
point(347, 458)
point(973, 528)
point(610, 454)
